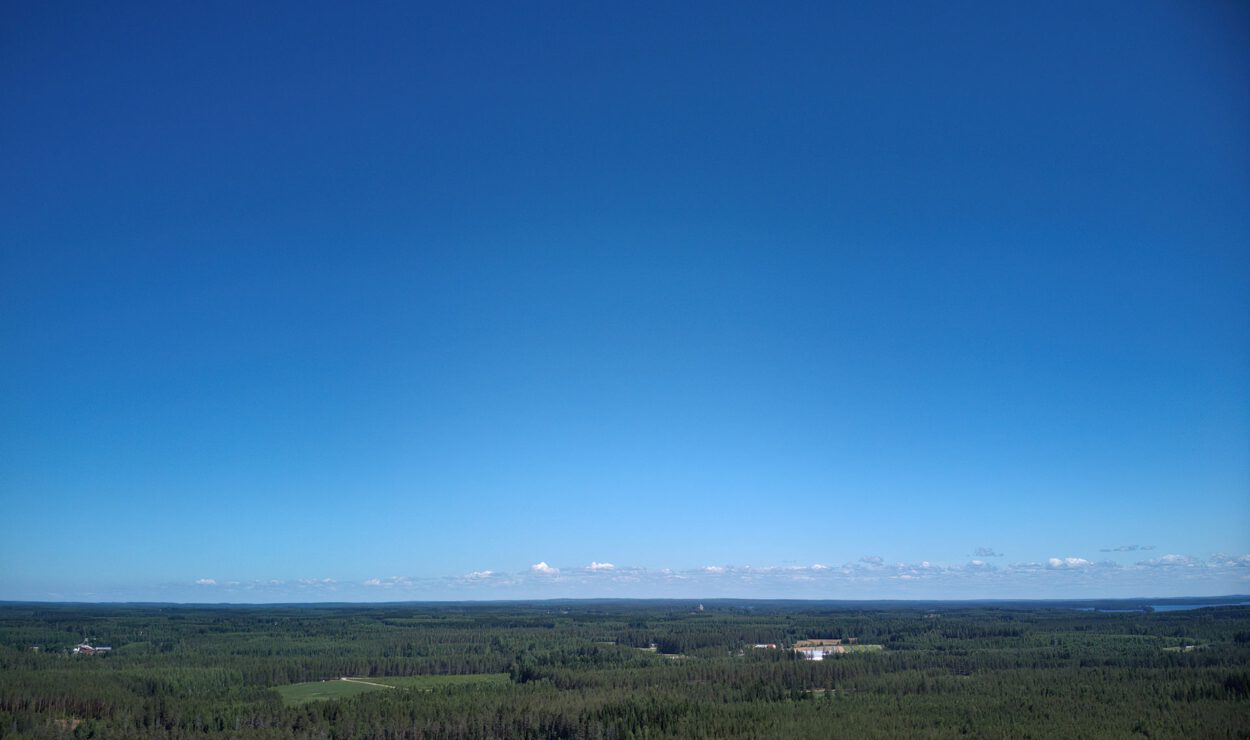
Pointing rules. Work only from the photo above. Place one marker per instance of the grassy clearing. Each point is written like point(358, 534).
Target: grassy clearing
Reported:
point(863, 648)
point(428, 683)
point(299, 693)
point(1183, 648)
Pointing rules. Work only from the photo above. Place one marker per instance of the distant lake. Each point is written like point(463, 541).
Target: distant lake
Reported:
point(1159, 607)
point(1186, 607)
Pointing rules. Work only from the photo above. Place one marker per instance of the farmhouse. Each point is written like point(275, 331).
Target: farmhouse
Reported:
point(818, 649)
point(85, 649)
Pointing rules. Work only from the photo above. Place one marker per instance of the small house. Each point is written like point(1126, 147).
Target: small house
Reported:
point(86, 649)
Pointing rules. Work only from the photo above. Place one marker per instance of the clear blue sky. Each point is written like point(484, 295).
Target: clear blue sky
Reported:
point(362, 300)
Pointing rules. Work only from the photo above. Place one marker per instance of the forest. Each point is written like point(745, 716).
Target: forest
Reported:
point(624, 669)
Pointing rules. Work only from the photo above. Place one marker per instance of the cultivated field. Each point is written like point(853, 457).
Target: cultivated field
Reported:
point(300, 693)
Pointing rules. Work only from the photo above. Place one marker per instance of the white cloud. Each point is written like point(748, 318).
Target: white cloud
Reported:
point(986, 552)
point(1228, 561)
point(860, 578)
point(1030, 566)
point(316, 581)
point(1065, 563)
point(392, 582)
point(1169, 561)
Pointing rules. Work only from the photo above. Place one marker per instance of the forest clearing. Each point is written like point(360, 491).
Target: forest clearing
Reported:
point(345, 686)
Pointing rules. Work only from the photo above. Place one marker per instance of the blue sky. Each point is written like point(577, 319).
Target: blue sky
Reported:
point(361, 301)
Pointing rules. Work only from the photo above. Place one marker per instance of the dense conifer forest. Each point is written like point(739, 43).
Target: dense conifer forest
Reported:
point(587, 669)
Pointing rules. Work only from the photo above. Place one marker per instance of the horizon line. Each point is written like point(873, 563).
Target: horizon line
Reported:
point(691, 600)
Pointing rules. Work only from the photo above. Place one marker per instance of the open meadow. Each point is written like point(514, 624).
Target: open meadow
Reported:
point(298, 693)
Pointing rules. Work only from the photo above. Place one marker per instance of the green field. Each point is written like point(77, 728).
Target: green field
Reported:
point(863, 648)
point(428, 683)
point(300, 693)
